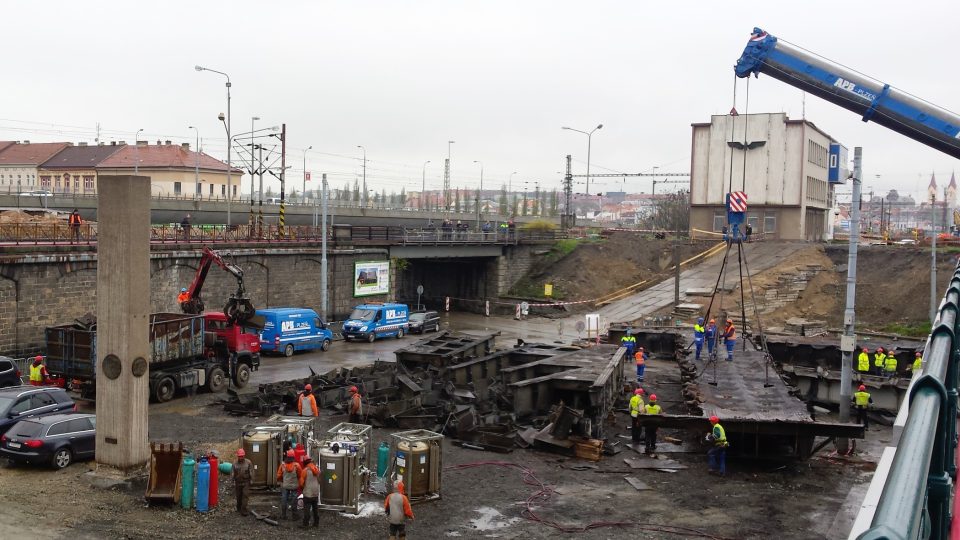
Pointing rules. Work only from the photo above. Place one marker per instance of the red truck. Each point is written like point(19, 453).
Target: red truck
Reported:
point(186, 352)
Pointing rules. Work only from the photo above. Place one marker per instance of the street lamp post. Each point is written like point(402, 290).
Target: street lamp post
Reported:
point(479, 192)
point(196, 165)
point(229, 141)
point(423, 187)
point(303, 193)
point(136, 152)
point(589, 135)
point(253, 120)
point(364, 199)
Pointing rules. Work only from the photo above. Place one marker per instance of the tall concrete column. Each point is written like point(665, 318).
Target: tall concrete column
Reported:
point(123, 312)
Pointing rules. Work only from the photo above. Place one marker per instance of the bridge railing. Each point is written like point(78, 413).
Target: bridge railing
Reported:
point(915, 501)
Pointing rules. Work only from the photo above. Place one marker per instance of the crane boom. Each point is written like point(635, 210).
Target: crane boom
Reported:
point(873, 100)
point(238, 308)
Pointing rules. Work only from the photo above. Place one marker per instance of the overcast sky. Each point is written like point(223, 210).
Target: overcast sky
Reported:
point(500, 78)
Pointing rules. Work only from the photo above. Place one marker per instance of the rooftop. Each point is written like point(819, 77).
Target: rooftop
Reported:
point(77, 157)
point(161, 156)
point(29, 153)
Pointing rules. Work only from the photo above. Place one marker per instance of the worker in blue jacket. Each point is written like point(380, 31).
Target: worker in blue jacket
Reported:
point(710, 334)
point(698, 334)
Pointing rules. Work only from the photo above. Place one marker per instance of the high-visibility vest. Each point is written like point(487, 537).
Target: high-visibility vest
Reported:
point(640, 359)
point(890, 363)
point(730, 333)
point(862, 399)
point(719, 436)
point(636, 403)
point(652, 408)
point(36, 373)
point(878, 359)
point(917, 364)
point(697, 332)
point(863, 362)
point(75, 219)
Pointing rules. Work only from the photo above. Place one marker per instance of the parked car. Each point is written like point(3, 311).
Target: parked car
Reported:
point(9, 373)
point(376, 320)
point(22, 402)
point(37, 193)
point(286, 330)
point(56, 439)
point(425, 321)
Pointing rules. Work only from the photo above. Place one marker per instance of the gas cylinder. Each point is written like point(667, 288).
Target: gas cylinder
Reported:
point(203, 485)
point(214, 479)
point(383, 459)
point(226, 467)
point(299, 452)
point(186, 482)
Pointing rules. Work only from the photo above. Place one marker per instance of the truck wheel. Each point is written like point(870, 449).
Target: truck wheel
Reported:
point(400, 333)
point(372, 337)
point(242, 376)
point(325, 346)
point(217, 380)
point(165, 390)
point(288, 350)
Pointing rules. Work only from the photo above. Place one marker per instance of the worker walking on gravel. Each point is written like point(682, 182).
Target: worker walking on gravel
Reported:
point(636, 406)
point(652, 408)
point(698, 334)
point(710, 333)
point(717, 454)
point(729, 338)
point(242, 478)
point(878, 359)
point(306, 403)
point(863, 361)
point(310, 487)
point(397, 507)
point(356, 406)
point(862, 400)
point(890, 365)
point(640, 357)
point(288, 474)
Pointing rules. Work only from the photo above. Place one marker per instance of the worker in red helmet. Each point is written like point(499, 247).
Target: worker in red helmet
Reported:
point(636, 409)
point(863, 361)
point(242, 478)
point(917, 362)
point(310, 482)
point(651, 409)
point(717, 454)
point(397, 507)
point(288, 475)
point(38, 372)
point(862, 401)
point(879, 359)
point(306, 403)
point(356, 406)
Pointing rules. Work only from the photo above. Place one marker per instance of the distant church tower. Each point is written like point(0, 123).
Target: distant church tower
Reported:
point(932, 188)
point(952, 191)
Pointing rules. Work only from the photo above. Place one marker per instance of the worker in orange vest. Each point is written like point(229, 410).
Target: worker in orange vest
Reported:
point(75, 222)
point(397, 507)
point(641, 359)
point(306, 403)
point(310, 482)
point(183, 296)
point(355, 405)
point(729, 338)
point(288, 474)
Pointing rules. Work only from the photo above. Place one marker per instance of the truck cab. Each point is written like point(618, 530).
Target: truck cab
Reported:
point(244, 340)
point(374, 320)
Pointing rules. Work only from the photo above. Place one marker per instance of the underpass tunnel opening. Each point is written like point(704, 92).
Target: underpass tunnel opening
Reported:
point(467, 281)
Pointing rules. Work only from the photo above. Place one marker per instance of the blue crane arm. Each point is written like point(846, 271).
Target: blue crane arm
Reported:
point(872, 100)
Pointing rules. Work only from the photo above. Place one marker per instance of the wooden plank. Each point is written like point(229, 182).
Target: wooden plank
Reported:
point(653, 463)
point(636, 483)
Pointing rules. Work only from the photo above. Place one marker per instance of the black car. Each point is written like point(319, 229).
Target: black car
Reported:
point(9, 373)
point(424, 321)
point(22, 402)
point(56, 439)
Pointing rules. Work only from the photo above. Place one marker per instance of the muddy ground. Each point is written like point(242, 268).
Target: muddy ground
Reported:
point(756, 500)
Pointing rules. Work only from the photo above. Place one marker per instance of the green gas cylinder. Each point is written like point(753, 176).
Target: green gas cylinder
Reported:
point(186, 481)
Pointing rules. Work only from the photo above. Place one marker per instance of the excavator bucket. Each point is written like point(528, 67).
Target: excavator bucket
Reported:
point(239, 310)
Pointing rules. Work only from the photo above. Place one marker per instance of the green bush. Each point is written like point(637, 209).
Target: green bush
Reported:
point(906, 329)
point(538, 225)
point(564, 247)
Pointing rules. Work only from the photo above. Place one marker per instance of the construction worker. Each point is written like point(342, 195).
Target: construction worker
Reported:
point(890, 365)
point(355, 405)
point(640, 357)
point(863, 361)
point(710, 333)
point(242, 478)
point(310, 488)
point(717, 455)
point(288, 474)
point(878, 360)
point(629, 342)
point(636, 405)
point(75, 222)
point(397, 507)
point(183, 297)
point(729, 338)
point(862, 400)
point(917, 362)
point(38, 372)
point(698, 333)
point(651, 408)
point(306, 403)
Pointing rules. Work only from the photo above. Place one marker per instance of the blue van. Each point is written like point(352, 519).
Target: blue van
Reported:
point(286, 330)
point(370, 321)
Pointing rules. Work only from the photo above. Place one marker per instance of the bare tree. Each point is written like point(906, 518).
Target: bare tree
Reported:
point(671, 212)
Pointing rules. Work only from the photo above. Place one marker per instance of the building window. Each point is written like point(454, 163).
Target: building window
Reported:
point(76, 184)
point(234, 192)
point(753, 221)
point(45, 182)
point(176, 188)
point(88, 183)
point(211, 189)
point(770, 223)
point(200, 188)
point(719, 221)
point(816, 154)
point(58, 184)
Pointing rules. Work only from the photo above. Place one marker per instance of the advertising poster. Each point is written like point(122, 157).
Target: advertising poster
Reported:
point(371, 277)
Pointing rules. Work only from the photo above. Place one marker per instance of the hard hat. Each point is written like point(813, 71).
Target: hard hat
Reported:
point(714, 420)
point(241, 452)
point(640, 349)
point(918, 354)
point(653, 397)
point(712, 321)
point(308, 387)
point(862, 388)
point(353, 390)
point(184, 289)
point(879, 349)
point(638, 391)
point(38, 358)
point(866, 349)
point(729, 321)
point(307, 458)
point(700, 320)
point(291, 453)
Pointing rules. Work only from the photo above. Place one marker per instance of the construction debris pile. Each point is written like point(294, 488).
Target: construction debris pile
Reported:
point(543, 395)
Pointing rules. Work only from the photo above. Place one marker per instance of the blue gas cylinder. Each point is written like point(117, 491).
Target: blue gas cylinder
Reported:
point(383, 458)
point(203, 485)
point(186, 481)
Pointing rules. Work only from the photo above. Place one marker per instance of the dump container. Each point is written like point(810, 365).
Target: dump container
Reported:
point(203, 485)
point(165, 474)
point(186, 493)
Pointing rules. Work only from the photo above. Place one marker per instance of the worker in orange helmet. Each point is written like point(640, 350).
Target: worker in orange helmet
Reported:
point(355, 406)
point(640, 357)
point(729, 338)
point(710, 333)
point(242, 478)
point(717, 454)
point(862, 400)
point(288, 474)
point(397, 507)
point(306, 403)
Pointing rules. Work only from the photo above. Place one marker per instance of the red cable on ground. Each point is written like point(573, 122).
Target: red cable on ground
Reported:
point(545, 492)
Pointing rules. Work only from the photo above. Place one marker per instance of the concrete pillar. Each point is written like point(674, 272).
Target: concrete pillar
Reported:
point(123, 312)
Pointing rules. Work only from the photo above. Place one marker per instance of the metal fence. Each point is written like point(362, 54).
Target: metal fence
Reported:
point(915, 501)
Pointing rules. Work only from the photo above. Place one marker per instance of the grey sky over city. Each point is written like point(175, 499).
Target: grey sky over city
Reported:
point(499, 78)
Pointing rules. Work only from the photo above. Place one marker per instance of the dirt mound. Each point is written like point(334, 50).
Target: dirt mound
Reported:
point(598, 267)
point(20, 216)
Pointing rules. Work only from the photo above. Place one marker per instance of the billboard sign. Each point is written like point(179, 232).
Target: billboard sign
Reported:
point(371, 277)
